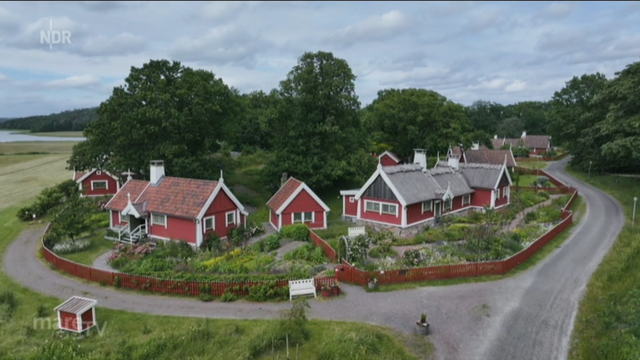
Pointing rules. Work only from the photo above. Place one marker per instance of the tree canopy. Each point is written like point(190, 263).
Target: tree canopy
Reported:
point(317, 134)
point(407, 119)
point(164, 111)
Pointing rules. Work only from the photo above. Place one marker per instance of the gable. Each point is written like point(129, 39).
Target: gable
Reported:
point(221, 203)
point(504, 181)
point(380, 190)
point(303, 202)
point(388, 160)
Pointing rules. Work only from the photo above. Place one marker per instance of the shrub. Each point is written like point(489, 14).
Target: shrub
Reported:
point(293, 323)
point(298, 232)
point(266, 291)
point(228, 296)
point(272, 242)
point(71, 246)
point(8, 305)
point(117, 282)
point(308, 253)
point(383, 250)
point(543, 194)
point(530, 217)
point(211, 242)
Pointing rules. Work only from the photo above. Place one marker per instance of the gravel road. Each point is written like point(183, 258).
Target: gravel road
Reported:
point(527, 316)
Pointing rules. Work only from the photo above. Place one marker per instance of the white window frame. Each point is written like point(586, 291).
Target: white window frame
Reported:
point(466, 200)
point(450, 202)
point(213, 223)
point(106, 184)
point(379, 211)
point(99, 172)
point(154, 222)
point(121, 216)
point(506, 192)
point(498, 193)
point(303, 219)
point(226, 218)
point(352, 199)
point(430, 202)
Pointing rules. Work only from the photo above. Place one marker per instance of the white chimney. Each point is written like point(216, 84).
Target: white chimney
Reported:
point(453, 161)
point(524, 134)
point(420, 157)
point(495, 136)
point(156, 172)
point(475, 146)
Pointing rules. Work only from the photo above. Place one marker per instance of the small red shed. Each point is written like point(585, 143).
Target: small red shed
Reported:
point(78, 314)
point(96, 182)
point(295, 203)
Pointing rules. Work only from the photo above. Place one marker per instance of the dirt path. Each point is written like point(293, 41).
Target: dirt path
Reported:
point(527, 316)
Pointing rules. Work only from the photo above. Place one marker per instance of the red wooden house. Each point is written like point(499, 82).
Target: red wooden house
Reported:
point(407, 195)
point(388, 158)
point(537, 144)
point(174, 208)
point(77, 314)
point(295, 203)
point(96, 182)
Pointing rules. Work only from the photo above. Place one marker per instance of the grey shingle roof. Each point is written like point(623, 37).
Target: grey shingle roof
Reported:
point(483, 176)
point(416, 186)
point(76, 305)
point(486, 156)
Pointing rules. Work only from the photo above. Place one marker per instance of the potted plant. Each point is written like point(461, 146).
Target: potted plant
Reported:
point(335, 288)
point(422, 325)
point(326, 291)
point(373, 282)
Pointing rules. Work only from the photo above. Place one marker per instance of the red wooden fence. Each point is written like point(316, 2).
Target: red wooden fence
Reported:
point(328, 250)
point(156, 285)
point(350, 274)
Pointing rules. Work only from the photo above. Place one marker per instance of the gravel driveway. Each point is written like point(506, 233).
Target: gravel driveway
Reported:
point(527, 316)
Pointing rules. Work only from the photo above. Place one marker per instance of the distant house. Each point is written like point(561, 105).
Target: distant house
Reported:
point(388, 158)
point(488, 156)
point(408, 195)
point(296, 203)
point(537, 144)
point(174, 208)
point(96, 182)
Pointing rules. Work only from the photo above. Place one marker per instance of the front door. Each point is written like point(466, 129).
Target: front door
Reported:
point(438, 208)
point(134, 222)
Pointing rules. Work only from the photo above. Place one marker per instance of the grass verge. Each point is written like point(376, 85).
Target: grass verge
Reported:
point(607, 325)
point(98, 246)
point(533, 164)
point(579, 208)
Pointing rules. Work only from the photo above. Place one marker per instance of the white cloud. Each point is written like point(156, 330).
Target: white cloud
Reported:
point(516, 86)
point(2, 77)
point(225, 10)
point(121, 44)
point(78, 81)
point(385, 26)
point(557, 10)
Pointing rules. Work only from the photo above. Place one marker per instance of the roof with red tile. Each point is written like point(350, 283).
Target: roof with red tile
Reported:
point(119, 201)
point(78, 175)
point(490, 157)
point(171, 196)
point(283, 194)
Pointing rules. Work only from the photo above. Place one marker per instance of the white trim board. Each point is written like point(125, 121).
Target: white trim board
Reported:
point(301, 187)
point(380, 172)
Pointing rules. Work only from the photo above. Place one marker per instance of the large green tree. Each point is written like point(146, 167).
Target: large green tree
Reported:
point(485, 116)
point(407, 119)
point(163, 111)
point(253, 130)
point(533, 114)
point(317, 134)
point(573, 109)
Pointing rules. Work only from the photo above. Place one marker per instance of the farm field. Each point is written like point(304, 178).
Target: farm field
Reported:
point(36, 147)
point(71, 134)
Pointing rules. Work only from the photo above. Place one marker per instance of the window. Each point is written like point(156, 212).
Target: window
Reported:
point(99, 185)
point(159, 219)
point(209, 223)
point(352, 199)
point(498, 193)
point(448, 204)
point(98, 172)
point(305, 217)
point(381, 208)
point(505, 193)
point(373, 206)
point(123, 217)
point(427, 206)
point(466, 200)
point(231, 218)
point(389, 209)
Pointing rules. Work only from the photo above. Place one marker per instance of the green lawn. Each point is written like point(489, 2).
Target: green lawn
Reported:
point(99, 245)
point(579, 208)
point(28, 332)
point(527, 180)
point(71, 134)
point(26, 147)
point(608, 322)
point(532, 164)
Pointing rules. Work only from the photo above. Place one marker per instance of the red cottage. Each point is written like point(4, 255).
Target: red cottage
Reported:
point(408, 195)
point(77, 314)
point(388, 158)
point(294, 203)
point(174, 208)
point(96, 182)
point(537, 144)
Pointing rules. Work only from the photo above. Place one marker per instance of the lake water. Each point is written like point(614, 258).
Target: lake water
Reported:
point(7, 136)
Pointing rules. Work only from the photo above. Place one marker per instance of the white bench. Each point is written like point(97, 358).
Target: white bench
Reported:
point(301, 287)
point(357, 231)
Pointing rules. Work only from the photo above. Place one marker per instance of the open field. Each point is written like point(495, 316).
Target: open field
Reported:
point(25, 147)
point(28, 331)
point(23, 180)
point(608, 322)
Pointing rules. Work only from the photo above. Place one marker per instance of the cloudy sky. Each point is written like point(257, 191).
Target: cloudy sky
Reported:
point(504, 52)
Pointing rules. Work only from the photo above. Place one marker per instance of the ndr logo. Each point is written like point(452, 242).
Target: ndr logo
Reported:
point(54, 36)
